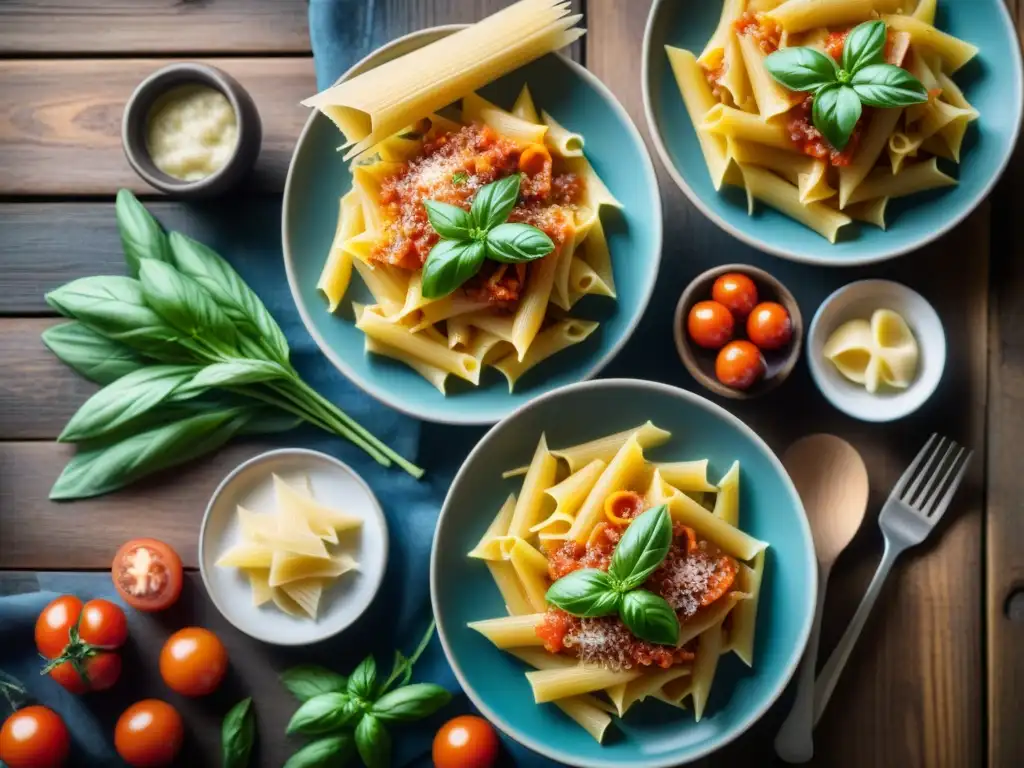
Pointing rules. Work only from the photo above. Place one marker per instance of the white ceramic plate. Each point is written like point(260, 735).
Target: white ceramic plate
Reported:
point(859, 300)
point(251, 485)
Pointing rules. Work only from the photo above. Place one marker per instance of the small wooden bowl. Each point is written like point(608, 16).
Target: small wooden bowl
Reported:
point(700, 362)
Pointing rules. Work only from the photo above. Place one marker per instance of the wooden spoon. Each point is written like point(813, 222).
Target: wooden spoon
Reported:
point(832, 482)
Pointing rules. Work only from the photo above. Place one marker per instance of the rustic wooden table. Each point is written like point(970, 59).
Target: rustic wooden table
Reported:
point(938, 676)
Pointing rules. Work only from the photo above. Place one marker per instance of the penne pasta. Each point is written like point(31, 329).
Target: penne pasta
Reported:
point(784, 197)
point(744, 615)
point(571, 492)
point(708, 652)
point(771, 98)
point(732, 123)
point(511, 631)
point(915, 178)
point(627, 463)
point(477, 109)
point(605, 448)
point(531, 568)
point(553, 684)
point(801, 15)
point(419, 346)
point(529, 509)
point(562, 141)
point(489, 547)
point(524, 108)
point(686, 475)
point(953, 51)
point(559, 336)
point(727, 502)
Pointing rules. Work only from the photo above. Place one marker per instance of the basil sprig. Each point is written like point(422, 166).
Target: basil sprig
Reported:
point(840, 92)
point(591, 593)
point(351, 712)
point(238, 735)
point(468, 238)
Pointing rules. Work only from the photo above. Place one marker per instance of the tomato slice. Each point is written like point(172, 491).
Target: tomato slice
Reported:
point(147, 574)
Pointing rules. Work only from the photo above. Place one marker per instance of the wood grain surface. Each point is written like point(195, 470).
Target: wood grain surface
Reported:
point(60, 121)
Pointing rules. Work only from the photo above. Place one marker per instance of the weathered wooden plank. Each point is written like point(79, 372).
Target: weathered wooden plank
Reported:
point(60, 121)
point(38, 27)
point(912, 693)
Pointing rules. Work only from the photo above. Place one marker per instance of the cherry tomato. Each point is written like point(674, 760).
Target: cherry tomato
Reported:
point(149, 734)
point(101, 627)
point(466, 742)
point(709, 324)
point(736, 292)
point(193, 662)
point(739, 365)
point(34, 737)
point(769, 326)
point(147, 574)
point(103, 624)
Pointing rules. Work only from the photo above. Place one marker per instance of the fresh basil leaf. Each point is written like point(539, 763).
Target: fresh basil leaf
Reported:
point(586, 592)
point(126, 399)
point(886, 86)
point(411, 702)
point(237, 299)
point(449, 265)
point(650, 617)
point(238, 735)
point(373, 743)
point(864, 45)
point(91, 354)
point(184, 304)
point(309, 680)
point(449, 221)
point(234, 373)
point(836, 112)
point(363, 679)
point(642, 548)
point(516, 243)
point(321, 714)
point(495, 201)
point(267, 420)
point(801, 69)
point(141, 237)
point(116, 308)
point(333, 752)
point(108, 467)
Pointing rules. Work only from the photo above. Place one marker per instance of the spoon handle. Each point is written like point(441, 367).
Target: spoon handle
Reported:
point(837, 660)
point(794, 742)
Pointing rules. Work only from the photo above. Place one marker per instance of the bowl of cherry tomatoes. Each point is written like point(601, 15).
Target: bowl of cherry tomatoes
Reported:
point(738, 331)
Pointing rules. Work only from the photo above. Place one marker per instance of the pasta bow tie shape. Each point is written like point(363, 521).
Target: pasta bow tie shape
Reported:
point(878, 353)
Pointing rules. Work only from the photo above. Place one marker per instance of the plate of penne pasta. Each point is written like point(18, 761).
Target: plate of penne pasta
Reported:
point(622, 574)
point(834, 132)
point(471, 219)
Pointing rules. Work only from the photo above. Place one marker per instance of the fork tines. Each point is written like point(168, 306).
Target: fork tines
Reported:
point(931, 480)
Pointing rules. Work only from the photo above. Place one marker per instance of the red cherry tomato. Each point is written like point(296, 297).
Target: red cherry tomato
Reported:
point(709, 324)
point(736, 292)
point(34, 737)
point(101, 628)
point(739, 365)
point(149, 734)
point(147, 574)
point(769, 326)
point(466, 742)
point(193, 662)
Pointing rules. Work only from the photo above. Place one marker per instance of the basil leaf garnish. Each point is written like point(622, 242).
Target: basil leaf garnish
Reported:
point(642, 548)
point(802, 69)
point(885, 85)
point(864, 45)
point(411, 702)
point(836, 111)
point(141, 237)
point(449, 221)
point(587, 592)
point(494, 202)
point(449, 265)
point(516, 243)
point(373, 743)
point(238, 734)
point(309, 680)
point(320, 714)
point(650, 617)
point(333, 751)
point(363, 679)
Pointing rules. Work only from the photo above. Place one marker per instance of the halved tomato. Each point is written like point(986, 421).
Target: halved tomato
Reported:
point(147, 574)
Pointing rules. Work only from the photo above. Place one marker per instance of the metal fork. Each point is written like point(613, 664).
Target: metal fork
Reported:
point(913, 509)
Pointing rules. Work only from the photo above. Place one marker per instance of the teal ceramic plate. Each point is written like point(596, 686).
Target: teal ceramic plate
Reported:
point(992, 82)
point(652, 734)
point(318, 177)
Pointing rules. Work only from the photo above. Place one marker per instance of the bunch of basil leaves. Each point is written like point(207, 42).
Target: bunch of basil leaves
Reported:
point(591, 593)
point(468, 238)
point(188, 357)
point(840, 92)
point(350, 715)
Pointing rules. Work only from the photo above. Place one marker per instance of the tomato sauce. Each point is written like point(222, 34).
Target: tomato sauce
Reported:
point(692, 577)
point(450, 168)
point(767, 32)
point(810, 140)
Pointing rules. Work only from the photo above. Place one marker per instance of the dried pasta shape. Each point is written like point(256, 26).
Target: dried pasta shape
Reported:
point(896, 347)
point(850, 349)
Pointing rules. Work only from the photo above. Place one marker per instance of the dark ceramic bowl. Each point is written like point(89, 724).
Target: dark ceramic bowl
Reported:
point(136, 118)
point(700, 362)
